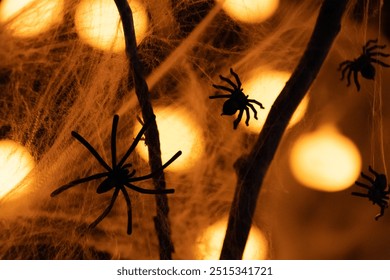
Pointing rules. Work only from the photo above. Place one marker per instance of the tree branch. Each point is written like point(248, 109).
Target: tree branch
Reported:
point(152, 139)
point(251, 169)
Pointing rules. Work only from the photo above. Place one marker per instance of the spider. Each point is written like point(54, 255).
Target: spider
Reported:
point(377, 192)
point(363, 63)
point(119, 176)
point(237, 100)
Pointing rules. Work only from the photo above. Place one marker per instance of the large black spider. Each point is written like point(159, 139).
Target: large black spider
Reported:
point(237, 100)
point(363, 63)
point(377, 192)
point(119, 175)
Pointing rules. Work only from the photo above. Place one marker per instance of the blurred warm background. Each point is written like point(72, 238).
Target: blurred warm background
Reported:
point(63, 68)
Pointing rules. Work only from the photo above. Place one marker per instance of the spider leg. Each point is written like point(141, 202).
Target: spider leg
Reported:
point(370, 49)
point(253, 109)
point(344, 64)
point(236, 77)
point(113, 139)
point(378, 54)
point(247, 116)
point(349, 77)
point(151, 175)
point(230, 82)
point(132, 173)
point(384, 201)
point(148, 191)
point(344, 70)
point(369, 42)
point(78, 181)
point(129, 211)
point(380, 214)
point(136, 140)
point(91, 150)
point(127, 166)
point(379, 62)
point(223, 88)
point(220, 96)
point(256, 102)
point(363, 185)
point(106, 211)
point(373, 172)
point(355, 78)
point(237, 121)
point(368, 178)
point(359, 194)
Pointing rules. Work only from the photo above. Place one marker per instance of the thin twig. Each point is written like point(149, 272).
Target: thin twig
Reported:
point(251, 169)
point(152, 139)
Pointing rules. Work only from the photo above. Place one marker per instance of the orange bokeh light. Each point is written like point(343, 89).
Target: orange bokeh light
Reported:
point(98, 23)
point(250, 11)
point(178, 130)
point(15, 163)
point(211, 241)
point(265, 86)
point(28, 18)
point(325, 160)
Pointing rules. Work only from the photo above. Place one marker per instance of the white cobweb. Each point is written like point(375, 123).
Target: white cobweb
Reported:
point(54, 83)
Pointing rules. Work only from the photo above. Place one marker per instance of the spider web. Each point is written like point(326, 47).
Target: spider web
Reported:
point(377, 133)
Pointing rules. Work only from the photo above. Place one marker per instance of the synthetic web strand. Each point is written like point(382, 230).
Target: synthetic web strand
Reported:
point(251, 169)
point(152, 139)
point(377, 136)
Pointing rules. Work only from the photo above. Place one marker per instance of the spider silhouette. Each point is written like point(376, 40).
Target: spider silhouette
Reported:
point(377, 192)
point(363, 63)
point(118, 177)
point(237, 100)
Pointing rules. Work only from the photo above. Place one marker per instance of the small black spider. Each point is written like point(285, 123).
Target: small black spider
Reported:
point(237, 100)
point(363, 63)
point(118, 176)
point(377, 192)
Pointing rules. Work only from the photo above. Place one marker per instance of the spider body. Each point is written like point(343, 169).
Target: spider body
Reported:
point(237, 100)
point(363, 64)
point(366, 68)
point(118, 176)
point(232, 105)
point(378, 191)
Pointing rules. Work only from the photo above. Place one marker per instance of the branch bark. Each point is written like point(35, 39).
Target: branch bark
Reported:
point(161, 221)
point(251, 169)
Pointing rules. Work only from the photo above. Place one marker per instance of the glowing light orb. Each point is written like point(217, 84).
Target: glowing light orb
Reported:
point(98, 23)
point(325, 160)
point(211, 241)
point(15, 163)
point(178, 131)
point(28, 18)
point(265, 86)
point(250, 11)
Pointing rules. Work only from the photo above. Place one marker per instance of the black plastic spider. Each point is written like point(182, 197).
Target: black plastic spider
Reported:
point(363, 63)
point(118, 176)
point(237, 100)
point(377, 192)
